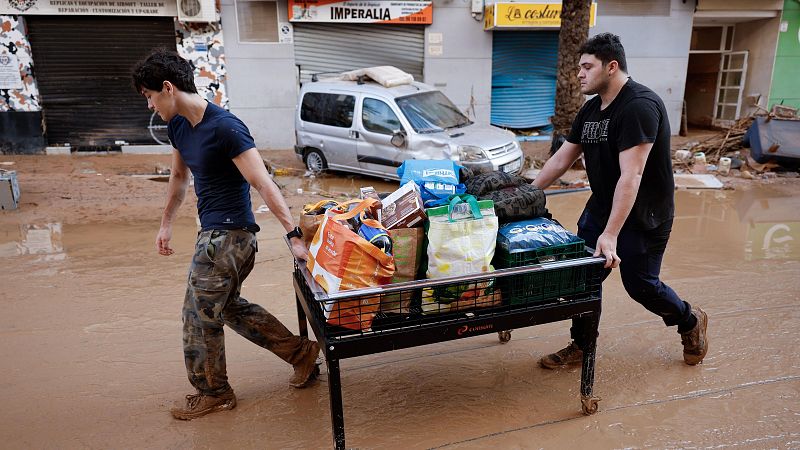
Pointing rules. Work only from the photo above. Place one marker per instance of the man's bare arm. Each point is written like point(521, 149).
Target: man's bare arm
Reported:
point(253, 170)
point(558, 164)
point(631, 165)
point(176, 193)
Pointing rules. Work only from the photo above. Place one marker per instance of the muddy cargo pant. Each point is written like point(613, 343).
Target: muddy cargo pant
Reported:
point(222, 260)
point(641, 253)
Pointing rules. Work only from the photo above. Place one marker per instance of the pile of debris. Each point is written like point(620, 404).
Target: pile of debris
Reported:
point(727, 150)
point(723, 143)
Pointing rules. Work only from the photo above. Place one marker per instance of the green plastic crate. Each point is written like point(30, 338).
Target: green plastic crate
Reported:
point(540, 286)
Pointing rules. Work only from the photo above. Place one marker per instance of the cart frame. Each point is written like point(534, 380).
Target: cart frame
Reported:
point(583, 308)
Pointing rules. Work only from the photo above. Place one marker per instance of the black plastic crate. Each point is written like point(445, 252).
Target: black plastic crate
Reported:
point(538, 286)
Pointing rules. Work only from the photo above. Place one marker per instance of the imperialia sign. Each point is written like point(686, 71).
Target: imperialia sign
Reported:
point(397, 12)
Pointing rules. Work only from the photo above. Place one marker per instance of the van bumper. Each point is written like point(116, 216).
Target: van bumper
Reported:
point(298, 151)
point(511, 163)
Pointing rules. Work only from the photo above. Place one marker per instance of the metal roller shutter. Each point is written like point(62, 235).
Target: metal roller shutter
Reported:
point(83, 69)
point(322, 48)
point(524, 70)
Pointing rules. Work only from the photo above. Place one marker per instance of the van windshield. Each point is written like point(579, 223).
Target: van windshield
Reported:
point(430, 112)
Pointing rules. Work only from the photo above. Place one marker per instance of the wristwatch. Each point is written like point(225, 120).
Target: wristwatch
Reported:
point(296, 232)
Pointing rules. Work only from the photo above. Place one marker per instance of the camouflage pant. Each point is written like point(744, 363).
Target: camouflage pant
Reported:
point(222, 260)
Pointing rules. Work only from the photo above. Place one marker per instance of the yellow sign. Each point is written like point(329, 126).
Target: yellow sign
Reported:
point(528, 15)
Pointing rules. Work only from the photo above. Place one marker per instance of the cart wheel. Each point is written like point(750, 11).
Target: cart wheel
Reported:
point(504, 336)
point(589, 405)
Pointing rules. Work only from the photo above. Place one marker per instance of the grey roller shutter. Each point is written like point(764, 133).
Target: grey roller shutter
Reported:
point(83, 69)
point(321, 48)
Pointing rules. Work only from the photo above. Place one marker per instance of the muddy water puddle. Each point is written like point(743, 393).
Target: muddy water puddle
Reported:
point(92, 355)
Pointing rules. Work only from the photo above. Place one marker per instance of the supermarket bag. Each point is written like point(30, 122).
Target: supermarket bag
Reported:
point(437, 179)
point(461, 240)
point(408, 245)
point(313, 213)
point(340, 259)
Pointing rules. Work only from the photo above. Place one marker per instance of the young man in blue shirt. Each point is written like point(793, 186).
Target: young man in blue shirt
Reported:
point(216, 147)
point(623, 133)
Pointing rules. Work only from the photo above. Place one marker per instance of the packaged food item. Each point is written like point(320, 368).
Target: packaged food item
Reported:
point(403, 208)
point(531, 234)
point(368, 192)
point(377, 237)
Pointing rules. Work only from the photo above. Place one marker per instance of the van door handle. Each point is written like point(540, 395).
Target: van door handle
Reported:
point(354, 134)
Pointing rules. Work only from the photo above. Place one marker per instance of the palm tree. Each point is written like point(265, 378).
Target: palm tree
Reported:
point(574, 31)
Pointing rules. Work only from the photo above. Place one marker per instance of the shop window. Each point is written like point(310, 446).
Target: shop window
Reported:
point(257, 20)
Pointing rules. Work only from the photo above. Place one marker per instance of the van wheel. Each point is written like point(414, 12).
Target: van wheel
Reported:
point(315, 161)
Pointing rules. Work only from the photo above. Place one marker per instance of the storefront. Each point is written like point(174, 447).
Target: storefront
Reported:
point(72, 90)
point(83, 71)
point(731, 59)
point(337, 36)
point(524, 62)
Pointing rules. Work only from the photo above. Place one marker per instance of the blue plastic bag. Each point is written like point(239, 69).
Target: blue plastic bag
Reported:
point(532, 234)
point(437, 179)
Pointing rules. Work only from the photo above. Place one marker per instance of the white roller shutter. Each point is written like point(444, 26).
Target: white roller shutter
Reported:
point(323, 47)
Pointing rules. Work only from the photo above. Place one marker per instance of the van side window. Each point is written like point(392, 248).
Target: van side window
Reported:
point(328, 109)
point(378, 117)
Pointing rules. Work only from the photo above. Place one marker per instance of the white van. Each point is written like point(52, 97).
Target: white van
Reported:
point(365, 127)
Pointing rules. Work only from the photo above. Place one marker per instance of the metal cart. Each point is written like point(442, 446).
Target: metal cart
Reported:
point(401, 315)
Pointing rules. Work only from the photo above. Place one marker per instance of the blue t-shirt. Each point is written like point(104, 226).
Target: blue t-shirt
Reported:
point(208, 149)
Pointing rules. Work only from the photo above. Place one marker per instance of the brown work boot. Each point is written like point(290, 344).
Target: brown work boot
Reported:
point(695, 341)
point(570, 356)
point(198, 405)
point(307, 369)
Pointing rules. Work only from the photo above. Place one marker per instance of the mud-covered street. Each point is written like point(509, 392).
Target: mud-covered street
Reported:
point(91, 331)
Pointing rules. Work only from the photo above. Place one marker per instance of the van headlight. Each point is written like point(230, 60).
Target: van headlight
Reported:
point(470, 153)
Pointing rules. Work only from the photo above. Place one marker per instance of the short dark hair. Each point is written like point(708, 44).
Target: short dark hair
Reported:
point(163, 65)
point(606, 47)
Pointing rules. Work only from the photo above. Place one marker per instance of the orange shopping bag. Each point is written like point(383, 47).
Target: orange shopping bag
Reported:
point(339, 259)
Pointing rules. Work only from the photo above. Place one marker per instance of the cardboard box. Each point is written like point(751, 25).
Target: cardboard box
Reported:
point(403, 208)
point(9, 190)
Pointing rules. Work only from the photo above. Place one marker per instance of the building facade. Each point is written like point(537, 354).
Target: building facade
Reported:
point(65, 64)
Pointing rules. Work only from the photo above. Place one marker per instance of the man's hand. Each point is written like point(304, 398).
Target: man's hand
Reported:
point(162, 241)
point(299, 249)
point(607, 246)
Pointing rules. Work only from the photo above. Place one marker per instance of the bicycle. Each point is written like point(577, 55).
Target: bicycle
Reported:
point(158, 129)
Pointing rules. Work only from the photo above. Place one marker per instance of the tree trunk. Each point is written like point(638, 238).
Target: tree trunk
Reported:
point(574, 32)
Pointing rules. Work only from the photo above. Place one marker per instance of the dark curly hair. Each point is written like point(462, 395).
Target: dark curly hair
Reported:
point(606, 47)
point(163, 65)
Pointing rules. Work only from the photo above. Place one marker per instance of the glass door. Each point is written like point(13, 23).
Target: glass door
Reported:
point(730, 84)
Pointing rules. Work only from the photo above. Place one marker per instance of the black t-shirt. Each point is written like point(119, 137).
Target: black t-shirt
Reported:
point(636, 116)
point(208, 149)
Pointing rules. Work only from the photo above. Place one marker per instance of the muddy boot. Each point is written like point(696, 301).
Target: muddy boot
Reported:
point(307, 369)
point(198, 405)
point(695, 341)
point(570, 356)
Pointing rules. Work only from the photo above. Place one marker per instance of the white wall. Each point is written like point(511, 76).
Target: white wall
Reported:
point(464, 69)
point(262, 83)
point(760, 37)
point(657, 51)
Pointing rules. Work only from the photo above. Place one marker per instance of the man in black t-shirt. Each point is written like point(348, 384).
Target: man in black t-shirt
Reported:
point(623, 133)
point(216, 148)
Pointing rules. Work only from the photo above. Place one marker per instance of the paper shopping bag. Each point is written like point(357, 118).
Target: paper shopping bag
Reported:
point(408, 245)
